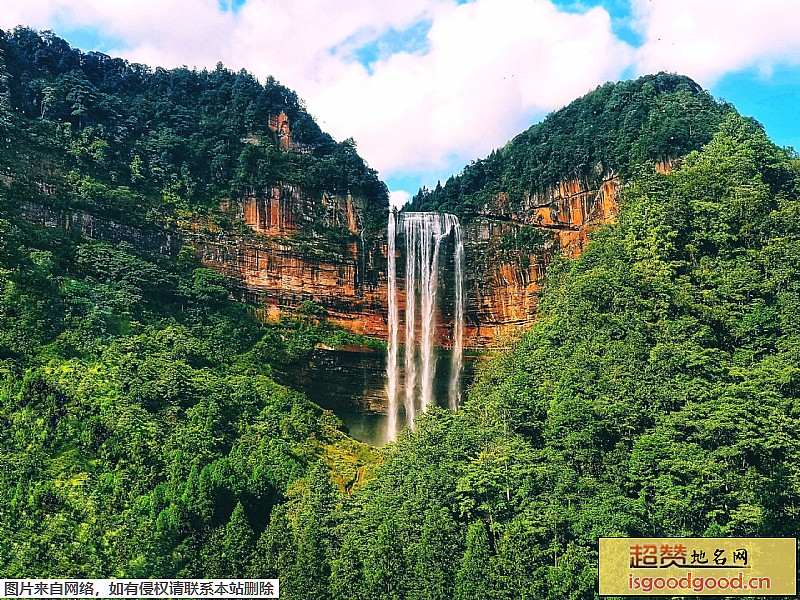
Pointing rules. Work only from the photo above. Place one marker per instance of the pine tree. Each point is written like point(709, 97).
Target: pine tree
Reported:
point(237, 543)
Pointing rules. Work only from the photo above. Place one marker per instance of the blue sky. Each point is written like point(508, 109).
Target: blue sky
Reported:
point(426, 86)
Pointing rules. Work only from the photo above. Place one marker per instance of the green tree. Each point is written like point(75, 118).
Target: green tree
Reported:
point(474, 576)
point(238, 543)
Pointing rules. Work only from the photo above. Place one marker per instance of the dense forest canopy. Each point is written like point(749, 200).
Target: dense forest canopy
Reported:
point(658, 394)
point(195, 137)
point(612, 130)
point(145, 428)
point(145, 431)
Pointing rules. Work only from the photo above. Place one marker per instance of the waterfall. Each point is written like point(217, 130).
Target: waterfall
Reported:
point(410, 345)
point(392, 374)
point(363, 278)
point(458, 320)
point(425, 235)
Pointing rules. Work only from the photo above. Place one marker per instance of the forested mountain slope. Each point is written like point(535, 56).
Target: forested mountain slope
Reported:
point(214, 161)
point(542, 193)
point(182, 138)
point(657, 395)
point(144, 427)
point(610, 132)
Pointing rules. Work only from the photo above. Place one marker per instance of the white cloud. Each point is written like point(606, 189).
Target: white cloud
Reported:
point(489, 65)
point(294, 41)
point(398, 198)
point(708, 39)
point(156, 32)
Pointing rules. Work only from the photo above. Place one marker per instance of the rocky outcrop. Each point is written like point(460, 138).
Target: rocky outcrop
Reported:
point(285, 260)
point(155, 241)
point(281, 274)
point(285, 209)
point(503, 286)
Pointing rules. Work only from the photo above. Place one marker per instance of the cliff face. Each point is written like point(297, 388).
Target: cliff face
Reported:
point(503, 286)
point(278, 265)
point(285, 209)
point(150, 241)
point(282, 239)
point(280, 270)
point(275, 255)
point(274, 263)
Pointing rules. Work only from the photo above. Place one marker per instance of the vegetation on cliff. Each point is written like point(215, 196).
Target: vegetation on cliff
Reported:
point(145, 430)
point(137, 142)
point(144, 426)
point(613, 130)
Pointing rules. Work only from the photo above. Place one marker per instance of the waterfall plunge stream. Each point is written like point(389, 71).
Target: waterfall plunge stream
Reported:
point(425, 234)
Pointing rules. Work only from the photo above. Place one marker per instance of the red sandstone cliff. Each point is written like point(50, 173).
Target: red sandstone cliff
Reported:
point(275, 261)
point(278, 267)
point(502, 291)
point(279, 264)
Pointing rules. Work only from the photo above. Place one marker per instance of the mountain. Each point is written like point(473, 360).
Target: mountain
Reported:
point(610, 132)
point(657, 395)
point(145, 428)
point(211, 162)
point(539, 196)
point(240, 175)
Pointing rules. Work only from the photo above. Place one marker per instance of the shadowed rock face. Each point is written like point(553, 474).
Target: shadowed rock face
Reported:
point(352, 383)
point(503, 287)
point(154, 241)
point(280, 266)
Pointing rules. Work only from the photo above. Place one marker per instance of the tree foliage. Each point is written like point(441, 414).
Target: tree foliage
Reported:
point(655, 396)
point(145, 428)
point(612, 130)
point(195, 137)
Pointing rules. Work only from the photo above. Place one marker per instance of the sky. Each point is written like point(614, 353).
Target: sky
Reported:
point(426, 86)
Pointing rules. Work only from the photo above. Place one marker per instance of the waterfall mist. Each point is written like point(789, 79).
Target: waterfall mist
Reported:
point(425, 235)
